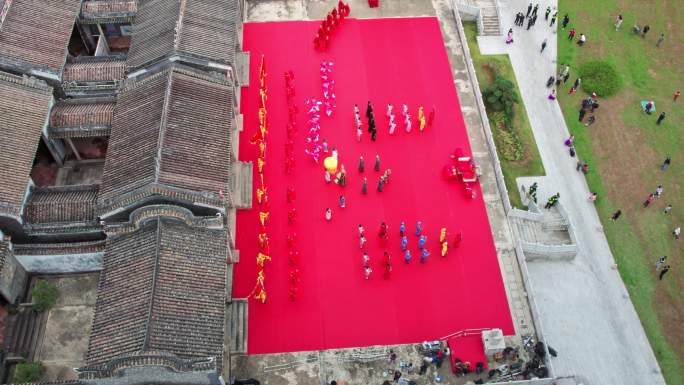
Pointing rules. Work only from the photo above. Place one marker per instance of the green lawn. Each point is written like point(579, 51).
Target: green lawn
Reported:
point(625, 148)
point(530, 164)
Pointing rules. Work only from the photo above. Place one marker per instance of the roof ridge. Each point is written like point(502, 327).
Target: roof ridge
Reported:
point(148, 323)
point(26, 82)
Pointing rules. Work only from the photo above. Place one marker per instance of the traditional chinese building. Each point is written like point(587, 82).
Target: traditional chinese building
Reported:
point(118, 153)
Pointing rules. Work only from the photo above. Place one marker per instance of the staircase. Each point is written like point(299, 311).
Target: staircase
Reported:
point(238, 326)
point(490, 19)
point(24, 332)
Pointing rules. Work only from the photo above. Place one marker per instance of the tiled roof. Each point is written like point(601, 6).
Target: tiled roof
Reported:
point(112, 9)
point(162, 288)
point(62, 204)
point(24, 105)
point(173, 129)
point(203, 28)
point(94, 69)
point(37, 32)
point(82, 114)
point(59, 248)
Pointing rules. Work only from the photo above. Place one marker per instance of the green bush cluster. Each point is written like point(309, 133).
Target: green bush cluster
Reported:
point(500, 99)
point(28, 372)
point(601, 77)
point(44, 296)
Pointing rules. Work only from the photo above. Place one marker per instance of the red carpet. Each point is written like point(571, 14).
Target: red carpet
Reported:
point(384, 60)
point(467, 349)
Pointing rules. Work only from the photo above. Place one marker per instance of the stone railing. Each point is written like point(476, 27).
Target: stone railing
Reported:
point(528, 215)
point(139, 216)
point(491, 147)
point(551, 252)
point(570, 225)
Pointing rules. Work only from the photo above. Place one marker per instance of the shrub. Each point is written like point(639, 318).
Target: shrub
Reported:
point(28, 372)
point(44, 296)
point(501, 96)
point(600, 77)
point(507, 140)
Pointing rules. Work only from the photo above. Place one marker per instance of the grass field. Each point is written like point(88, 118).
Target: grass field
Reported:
point(530, 164)
point(625, 149)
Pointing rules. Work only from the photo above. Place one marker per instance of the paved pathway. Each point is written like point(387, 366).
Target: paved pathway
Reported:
point(585, 308)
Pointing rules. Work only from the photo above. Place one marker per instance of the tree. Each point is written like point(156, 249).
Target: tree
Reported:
point(501, 96)
point(28, 372)
point(44, 296)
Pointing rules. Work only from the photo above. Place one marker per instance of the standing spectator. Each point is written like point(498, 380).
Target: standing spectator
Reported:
point(565, 22)
point(534, 11)
point(553, 19)
point(645, 30)
point(618, 22)
point(582, 39)
point(582, 112)
point(649, 200)
point(659, 191)
point(571, 34)
point(661, 117)
point(660, 262)
point(668, 208)
point(592, 197)
point(676, 95)
point(529, 9)
point(546, 14)
point(391, 357)
point(661, 39)
point(543, 45)
point(616, 215)
point(677, 232)
point(509, 36)
point(663, 272)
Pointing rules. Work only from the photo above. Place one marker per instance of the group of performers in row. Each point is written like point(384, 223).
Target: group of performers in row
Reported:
point(422, 122)
point(328, 25)
point(383, 234)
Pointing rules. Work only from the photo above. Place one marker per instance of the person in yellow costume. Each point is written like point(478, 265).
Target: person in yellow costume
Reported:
point(445, 248)
point(260, 164)
point(421, 119)
point(442, 235)
point(263, 216)
point(260, 193)
point(261, 258)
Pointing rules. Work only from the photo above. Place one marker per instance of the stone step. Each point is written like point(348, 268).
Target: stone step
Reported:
point(238, 326)
point(242, 191)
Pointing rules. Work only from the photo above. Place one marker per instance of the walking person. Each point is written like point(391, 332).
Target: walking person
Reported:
point(659, 191)
point(618, 22)
point(529, 9)
point(582, 39)
point(676, 95)
point(660, 262)
point(534, 11)
point(661, 39)
point(645, 30)
point(666, 163)
point(546, 14)
point(616, 215)
point(649, 200)
point(529, 23)
point(509, 36)
point(543, 45)
point(677, 232)
point(571, 34)
point(423, 255)
point(663, 272)
point(661, 117)
point(667, 209)
point(565, 22)
point(553, 19)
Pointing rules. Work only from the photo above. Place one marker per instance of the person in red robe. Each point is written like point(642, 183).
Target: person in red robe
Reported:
point(431, 118)
point(290, 195)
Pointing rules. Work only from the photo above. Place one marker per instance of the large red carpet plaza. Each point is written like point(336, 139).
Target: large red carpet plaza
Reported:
point(397, 60)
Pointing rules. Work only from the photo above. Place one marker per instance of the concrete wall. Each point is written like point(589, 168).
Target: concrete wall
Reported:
point(12, 279)
point(61, 264)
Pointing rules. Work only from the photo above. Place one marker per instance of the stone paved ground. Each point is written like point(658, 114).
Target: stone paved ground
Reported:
point(314, 368)
point(65, 339)
point(586, 312)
